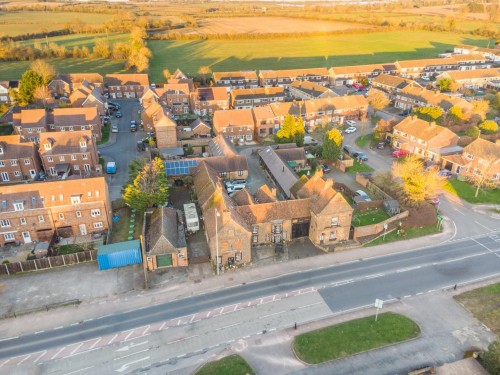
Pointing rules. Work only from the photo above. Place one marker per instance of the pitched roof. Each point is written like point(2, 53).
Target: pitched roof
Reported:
point(232, 163)
point(291, 154)
point(458, 75)
point(362, 69)
point(282, 210)
point(280, 171)
point(163, 223)
point(172, 88)
point(233, 117)
point(66, 142)
point(473, 57)
point(13, 148)
point(221, 146)
point(179, 74)
point(243, 74)
point(127, 79)
point(242, 198)
point(312, 89)
point(33, 118)
point(261, 92)
point(436, 98)
point(393, 81)
point(212, 93)
point(421, 129)
point(73, 78)
point(265, 195)
point(76, 116)
point(292, 73)
point(264, 112)
point(198, 122)
point(484, 149)
point(421, 63)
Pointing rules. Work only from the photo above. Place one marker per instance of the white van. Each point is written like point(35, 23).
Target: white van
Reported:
point(236, 187)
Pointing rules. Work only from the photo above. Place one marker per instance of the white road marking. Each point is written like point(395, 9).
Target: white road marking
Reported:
point(460, 212)
point(129, 334)
point(374, 276)
point(36, 333)
point(60, 327)
point(147, 329)
point(40, 356)
point(163, 325)
point(77, 371)
point(276, 313)
point(185, 338)
point(132, 345)
point(127, 365)
point(113, 339)
point(95, 343)
point(229, 326)
point(408, 269)
point(312, 304)
point(432, 290)
point(25, 358)
point(486, 247)
point(4, 363)
point(74, 324)
point(76, 349)
point(88, 320)
point(131, 354)
point(478, 223)
point(58, 352)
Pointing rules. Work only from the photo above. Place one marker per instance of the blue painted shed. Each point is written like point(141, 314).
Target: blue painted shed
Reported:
point(119, 254)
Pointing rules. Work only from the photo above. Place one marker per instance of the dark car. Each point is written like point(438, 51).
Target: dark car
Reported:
point(326, 168)
point(360, 155)
point(141, 146)
point(118, 114)
point(133, 127)
point(381, 145)
point(347, 149)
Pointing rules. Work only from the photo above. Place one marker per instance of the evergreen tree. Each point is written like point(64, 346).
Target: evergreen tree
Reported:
point(332, 145)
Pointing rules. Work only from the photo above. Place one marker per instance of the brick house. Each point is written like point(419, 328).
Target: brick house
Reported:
point(175, 96)
point(29, 123)
point(18, 160)
point(472, 79)
point(196, 135)
point(126, 86)
point(165, 240)
point(71, 152)
point(391, 84)
point(156, 118)
point(424, 139)
point(206, 100)
point(246, 79)
point(73, 119)
point(236, 124)
point(309, 90)
point(249, 98)
point(480, 157)
point(65, 84)
point(266, 123)
point(492, 54)
point(283, 78)
point(345, 75)
point(433, 67)
point(30, 212)
point(87, 97)
point(4, 92)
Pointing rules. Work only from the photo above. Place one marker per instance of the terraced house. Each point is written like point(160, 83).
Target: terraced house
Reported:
point(347, 75)
point(73, 119)
point(474, 79)
point(19, 161)
point(29, 123)
point(246, 79)
point(126, 86)
point(235, 124)
point(249, 98)
point(65, 84)
point(67, 208)
point(206, 100)
point(88, 96)
point(284, 78)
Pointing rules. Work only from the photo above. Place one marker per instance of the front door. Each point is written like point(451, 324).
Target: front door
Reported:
point(32, 173)
point(26, 237)
point(86, 167)
point(83, 229)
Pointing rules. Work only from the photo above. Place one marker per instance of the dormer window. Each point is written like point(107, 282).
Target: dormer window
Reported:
point(47, 146)
point(83, 144)
point(75, 199)
point(18, 206)
point(1, 150)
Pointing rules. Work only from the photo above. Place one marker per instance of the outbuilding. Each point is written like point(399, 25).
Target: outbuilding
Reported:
point(119, 254)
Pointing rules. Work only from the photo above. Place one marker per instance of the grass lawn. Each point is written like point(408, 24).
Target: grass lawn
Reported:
point(357, 167)
point(408, 234)
point(484, 304)
point(300, 173)
point(466, 191)
point(363, 140)
point(353, 337)
point(6, 129)
point(234, 365)
point(69, 249)
point(105, 134)
point(121, 228)
point(372, 216)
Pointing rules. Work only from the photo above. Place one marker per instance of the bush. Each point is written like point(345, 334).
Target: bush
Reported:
point(489, 127)
point(6, 261)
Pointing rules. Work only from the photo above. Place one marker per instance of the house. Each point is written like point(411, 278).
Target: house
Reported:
point(284, 78)
point(348, 75)
point(249, 98)
point(472, 79)
point(294, 156)
point(196, 135)
point(236, 124)
point(433, 67)
point(73, 119)
point(74, 152)
point(221, 146)
point(4, 92)
point(309, 90)
point(391, 84)
point(265, 122)
point(480, 157)
point(175, 96)
point(126, 86)
point(424, 139)
point(156, 118)
point(29, 123)
point(165, 240)
point(37, 211)
point(65, 84)
point(18, 160)
point(180, 77)
point(279, 170)
point(236, 80)
point(411, 97)
point(206, 100)
point(86, 96)
point(228, 167)
point(491, 54)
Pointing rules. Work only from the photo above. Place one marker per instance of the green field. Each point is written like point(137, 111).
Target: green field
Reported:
point(79, 40)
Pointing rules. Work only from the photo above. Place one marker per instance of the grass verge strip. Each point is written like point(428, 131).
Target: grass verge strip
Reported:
point(234, 365)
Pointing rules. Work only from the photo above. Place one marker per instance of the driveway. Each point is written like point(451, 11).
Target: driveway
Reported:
point(256, 175)
point(122, 147)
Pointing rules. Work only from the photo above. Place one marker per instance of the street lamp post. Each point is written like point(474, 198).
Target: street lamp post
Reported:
point(216, 243)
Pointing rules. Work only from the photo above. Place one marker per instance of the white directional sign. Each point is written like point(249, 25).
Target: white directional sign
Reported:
point(379, 303)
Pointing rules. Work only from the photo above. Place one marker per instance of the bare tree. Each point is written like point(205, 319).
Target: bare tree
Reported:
point(44, 70)
point(204, 71)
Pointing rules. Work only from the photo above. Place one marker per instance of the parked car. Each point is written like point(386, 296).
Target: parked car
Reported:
point(360, 155)
point(351, 122)
point(241, 181)
point(362, 194)
point(114, 129)
point(348, 149)
point(326, 168)
point(114, 105)
point(444, 173)
point(118, 114)
point(358, 86)
point(381, 145)
point(400, 153)
point(233, 188)
point(350, 129)
point(133, 127)
point(310, 141)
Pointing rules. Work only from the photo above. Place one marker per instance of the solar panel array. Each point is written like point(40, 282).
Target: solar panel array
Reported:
point(179, 167)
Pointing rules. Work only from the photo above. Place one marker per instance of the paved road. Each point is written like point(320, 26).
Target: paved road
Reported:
point(342, 288)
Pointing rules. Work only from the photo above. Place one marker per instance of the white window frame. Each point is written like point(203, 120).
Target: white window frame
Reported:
point(41, 219)
point(5, 223)
point(22, 220)
point(9, 236)
point(18, 206)
point(98, 225)
point(75, 199)
point(95, 212)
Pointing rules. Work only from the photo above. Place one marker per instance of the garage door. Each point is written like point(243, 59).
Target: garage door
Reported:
point(164, 260)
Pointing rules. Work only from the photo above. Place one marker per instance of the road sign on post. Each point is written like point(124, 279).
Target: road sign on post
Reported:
point(385, 231)
point(378, 304)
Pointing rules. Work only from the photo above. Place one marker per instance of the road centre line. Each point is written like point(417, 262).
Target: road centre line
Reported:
point(229, 326)
point(185, 338)
point(311, 304)
point(276, 313)
point(374, 276)
point(131, 354)
point(408, 269)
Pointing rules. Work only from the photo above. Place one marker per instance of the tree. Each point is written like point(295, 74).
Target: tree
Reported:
point(488, 127)
point(455, 113)
point(491, 358)
point(473, 132)
point(101, 48)
point(377, 99)
point(149, 188)
point(204, 71)
point(416, 183)
point(30, 81)
point(481, 108)
point(364, 81)
point(135, 167)
point(166, 74)
point(44, 70)
point(332, 145)
point(292, 130)
point(429, 113)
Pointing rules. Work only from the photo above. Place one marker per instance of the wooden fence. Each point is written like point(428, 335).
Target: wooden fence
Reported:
point(49, 262)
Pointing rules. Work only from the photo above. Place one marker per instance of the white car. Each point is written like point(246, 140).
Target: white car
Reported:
point(114, 129)
point(350, 129)
point(351, 123)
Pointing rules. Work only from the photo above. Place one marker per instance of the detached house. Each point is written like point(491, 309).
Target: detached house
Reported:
point(206, 100)
point(480, 157)
point(236, 80)
point(249, 98)
point(65, 84)
point(73, 119)
point(237, 124)
point(37, 211)
point(284, 78)
point(424, 139)
point(29, 123)
point(69, 152)
point(18, 160)
point(126, 86)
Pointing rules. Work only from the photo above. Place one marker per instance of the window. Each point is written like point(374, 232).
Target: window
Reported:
point(223, 174)
point(240, 173)
point(76, 167)
point(5, 223)
point(18, 206)
point(62, 158)
point(17, 173)
point(95, 212)
point(75, 199)
point(50, 159)
point(335, 221)
point(2, 164)
point(78, 214)
point(83, 144)
point(238, 256)
point(97, 193)
point(22, 220)
point(333, 235)
point(41, 219)
point(27, 162)
point(85, 156)
point(13, 163)
point(47, 146)
point(70, 129)
point(73, 157)
point(98, 225)
point(61, 216)
point(61, 197)
point(8, 236)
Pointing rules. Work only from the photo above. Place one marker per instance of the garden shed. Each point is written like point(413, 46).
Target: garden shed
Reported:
point(392, 207)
